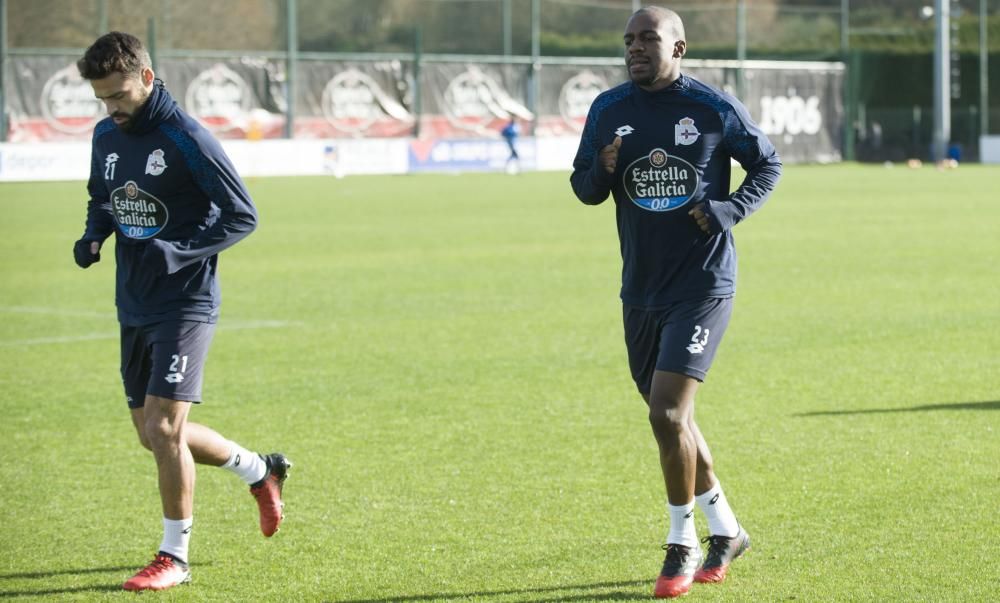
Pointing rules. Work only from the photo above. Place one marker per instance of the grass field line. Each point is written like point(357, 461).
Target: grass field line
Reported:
point(231, 325)
point(55, 311)
point(63, 339)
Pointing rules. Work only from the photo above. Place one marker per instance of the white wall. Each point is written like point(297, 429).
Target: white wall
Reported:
point(989, 149)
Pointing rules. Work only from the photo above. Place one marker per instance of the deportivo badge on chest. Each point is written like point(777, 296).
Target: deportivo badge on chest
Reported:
point(660, 182)
point(155, 163)
point(685, 133)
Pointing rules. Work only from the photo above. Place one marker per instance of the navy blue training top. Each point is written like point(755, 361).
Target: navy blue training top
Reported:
point(174, 201)
point(676, 148)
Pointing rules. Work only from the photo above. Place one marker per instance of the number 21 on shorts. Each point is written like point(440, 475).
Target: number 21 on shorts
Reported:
point(176, 374)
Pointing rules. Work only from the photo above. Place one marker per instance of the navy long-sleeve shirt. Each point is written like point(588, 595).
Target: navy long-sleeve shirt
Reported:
point(676, 148)
point(174, 201)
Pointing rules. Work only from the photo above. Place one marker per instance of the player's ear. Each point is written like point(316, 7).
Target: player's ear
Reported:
point(680, 47)
point(147, 76)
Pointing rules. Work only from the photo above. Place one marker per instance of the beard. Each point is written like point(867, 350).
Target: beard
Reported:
point(129, 124)
point(125, 126)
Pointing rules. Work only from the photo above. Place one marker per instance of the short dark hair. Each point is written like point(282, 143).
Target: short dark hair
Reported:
point(114, 52)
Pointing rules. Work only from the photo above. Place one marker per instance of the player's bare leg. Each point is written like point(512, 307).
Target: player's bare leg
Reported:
point(704, 477)
point(208, 447)
point(671, 410)
point(727, 539)
point(671, 407)
point(164, 429)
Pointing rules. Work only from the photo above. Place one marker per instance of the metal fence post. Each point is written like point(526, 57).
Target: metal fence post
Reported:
point(292, 41)
point(741, 46)
point(536, 44)
point(942, 80)
point(845, 49)
point(508, 37)
point(102, 17)
point(418, 50)
point(984, 74)
point(151, 40)
point(3, 70)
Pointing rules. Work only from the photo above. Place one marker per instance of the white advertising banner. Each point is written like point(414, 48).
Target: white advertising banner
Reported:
point(45, 161)
point(71, 160)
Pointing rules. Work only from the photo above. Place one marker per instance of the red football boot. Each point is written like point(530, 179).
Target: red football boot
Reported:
point(163, 573)
point(678, 571)
point(721, 552)
point(268, 493)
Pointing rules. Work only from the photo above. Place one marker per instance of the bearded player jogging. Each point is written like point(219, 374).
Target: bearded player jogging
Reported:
point(162, 184)
point(661, 145)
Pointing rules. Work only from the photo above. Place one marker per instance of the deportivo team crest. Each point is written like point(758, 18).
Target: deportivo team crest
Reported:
point(685, 133)
point(660, 182)
point(155, 163)
point(138, 214)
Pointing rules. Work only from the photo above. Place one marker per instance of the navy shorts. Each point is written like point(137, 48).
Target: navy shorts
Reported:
point(680, 338)
point(165, 359)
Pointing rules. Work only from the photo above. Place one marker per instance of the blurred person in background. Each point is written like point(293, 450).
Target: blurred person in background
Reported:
point(510, 133)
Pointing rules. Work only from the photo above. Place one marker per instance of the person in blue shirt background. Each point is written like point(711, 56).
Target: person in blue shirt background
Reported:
point(163, 185)
point(661, 144)
point(510, 132)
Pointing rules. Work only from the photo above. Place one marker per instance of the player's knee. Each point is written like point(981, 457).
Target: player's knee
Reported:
point(668, 420)
point(160, 434)
point(141, 433)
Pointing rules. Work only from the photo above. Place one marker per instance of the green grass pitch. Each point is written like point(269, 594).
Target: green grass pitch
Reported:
point(442, 358)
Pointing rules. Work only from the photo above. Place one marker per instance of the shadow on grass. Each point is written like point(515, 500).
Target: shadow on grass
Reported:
point(64, 572)
point(530, 595)
point(114, 585)
point(924, 407)
point(48, 592)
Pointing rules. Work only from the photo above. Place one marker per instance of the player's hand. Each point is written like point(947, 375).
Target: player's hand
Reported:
point(609, 155)
point(701, 218)
point(86, 252)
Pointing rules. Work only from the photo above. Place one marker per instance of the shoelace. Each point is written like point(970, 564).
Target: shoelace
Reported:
point(159, 564)
point(717, 547)
point(677, 554)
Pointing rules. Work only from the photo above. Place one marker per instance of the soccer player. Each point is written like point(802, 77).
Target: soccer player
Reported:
point(163, 185)
point(661, 144)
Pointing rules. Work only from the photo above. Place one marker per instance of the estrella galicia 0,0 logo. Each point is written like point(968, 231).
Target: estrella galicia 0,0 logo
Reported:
point(138, 214)
point(660, 182)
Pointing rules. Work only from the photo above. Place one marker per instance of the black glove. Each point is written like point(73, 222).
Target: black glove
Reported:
point(82, 255)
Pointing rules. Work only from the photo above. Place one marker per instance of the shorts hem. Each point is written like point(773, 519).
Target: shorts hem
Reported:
point(687, 372)
point(177, 396)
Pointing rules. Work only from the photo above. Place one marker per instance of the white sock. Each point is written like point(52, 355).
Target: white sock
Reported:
point(682, 525)
point(248, 465)
point(176, 534)
point(721, 519)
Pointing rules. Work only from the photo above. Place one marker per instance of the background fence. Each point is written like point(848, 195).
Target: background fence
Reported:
point(413, 68)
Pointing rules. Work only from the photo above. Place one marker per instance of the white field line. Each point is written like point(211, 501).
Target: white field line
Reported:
point(66, 339)
point(232, 325)
point(54, 311)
